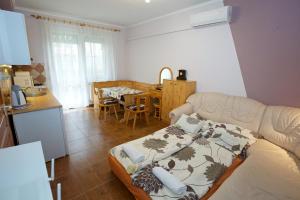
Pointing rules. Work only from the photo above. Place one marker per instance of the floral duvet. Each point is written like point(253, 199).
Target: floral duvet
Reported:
point(155, 147)
point(198, 163)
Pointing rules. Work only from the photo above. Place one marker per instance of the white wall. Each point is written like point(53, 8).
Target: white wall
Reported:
point(34, 32)
point(207, 53)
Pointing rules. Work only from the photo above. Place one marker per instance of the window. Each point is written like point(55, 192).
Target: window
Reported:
point(94, 61)
point(76, 58)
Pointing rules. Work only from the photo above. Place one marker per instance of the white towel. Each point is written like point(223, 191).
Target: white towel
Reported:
point(169, 180)
point(134, 155)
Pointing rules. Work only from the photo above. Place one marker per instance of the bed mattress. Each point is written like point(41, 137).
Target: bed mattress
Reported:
point(140, 194)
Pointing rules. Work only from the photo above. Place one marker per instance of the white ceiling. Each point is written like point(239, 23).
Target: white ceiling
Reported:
point(118, 12)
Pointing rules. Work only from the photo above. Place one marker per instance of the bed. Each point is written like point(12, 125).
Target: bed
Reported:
point(272, 167)
point(190, 157)
point(140, 194)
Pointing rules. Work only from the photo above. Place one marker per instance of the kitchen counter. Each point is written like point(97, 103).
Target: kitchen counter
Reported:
point(44, 102)
point(41, 121)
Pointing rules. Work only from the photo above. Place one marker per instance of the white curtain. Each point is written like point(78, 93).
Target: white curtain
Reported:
point(76, 57)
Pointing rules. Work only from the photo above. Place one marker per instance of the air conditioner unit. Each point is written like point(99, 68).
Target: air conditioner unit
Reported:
point(218, 15)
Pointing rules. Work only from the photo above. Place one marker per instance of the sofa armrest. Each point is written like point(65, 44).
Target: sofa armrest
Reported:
point(177, 112)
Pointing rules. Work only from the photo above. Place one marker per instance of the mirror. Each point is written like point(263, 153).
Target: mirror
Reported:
point(165, 73)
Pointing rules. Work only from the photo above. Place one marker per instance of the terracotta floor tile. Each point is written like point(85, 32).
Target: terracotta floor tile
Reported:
point(70, 184)
point(74, 135)
point(79, 197)
point(85, 174)
point(79, 145)
point(88, 178)
point(97, 193)
point(103, 171)
point(117, 190)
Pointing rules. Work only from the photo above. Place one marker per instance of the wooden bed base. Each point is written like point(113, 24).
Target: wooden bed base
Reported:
point(140, 194)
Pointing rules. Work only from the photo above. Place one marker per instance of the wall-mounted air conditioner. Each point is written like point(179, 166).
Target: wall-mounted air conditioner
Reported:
point(218, 15)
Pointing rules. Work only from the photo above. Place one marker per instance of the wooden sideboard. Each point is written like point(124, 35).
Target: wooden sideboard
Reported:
point(174, 94)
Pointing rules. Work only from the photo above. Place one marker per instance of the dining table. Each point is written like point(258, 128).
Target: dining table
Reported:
point(123, 95)
point(119, 92)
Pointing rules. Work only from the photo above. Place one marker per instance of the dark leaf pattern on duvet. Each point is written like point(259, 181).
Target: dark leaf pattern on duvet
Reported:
point(185, 154)
point(173, 130)
point(190, 196)
point(146, 180)
point(209, 158)
point(217, 135)
point(123, 154)
point(199, 117)
point(214, 171)
point(190, 169)
point(189, 189)
point(209, 133)
point(202, 141)
point(236, 134)
point(171, 164)
point(221, 126)
point(192, 120)
point(236, 147)
point(155, 144)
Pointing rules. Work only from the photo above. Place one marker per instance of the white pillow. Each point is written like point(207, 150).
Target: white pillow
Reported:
point(219, 128)
point(188, 124)
point(205, 123)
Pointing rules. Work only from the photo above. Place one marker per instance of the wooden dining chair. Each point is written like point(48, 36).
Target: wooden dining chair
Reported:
point(140, 106)
point(106, 103)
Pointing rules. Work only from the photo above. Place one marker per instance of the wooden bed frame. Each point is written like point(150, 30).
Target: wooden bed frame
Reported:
point(140, 194)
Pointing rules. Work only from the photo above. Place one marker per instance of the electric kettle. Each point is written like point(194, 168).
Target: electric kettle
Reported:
point(18, 96)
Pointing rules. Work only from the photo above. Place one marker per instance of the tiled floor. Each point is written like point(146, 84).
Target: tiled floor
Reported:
point(85, 173)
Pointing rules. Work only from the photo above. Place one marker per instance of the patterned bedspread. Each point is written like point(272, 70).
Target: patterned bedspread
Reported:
point(157, 146)
point(198, 165)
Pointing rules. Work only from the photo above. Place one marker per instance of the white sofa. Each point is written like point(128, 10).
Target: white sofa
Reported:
point(272, 169)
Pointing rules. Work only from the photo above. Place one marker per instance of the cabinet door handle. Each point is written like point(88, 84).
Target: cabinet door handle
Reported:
point(58, 191)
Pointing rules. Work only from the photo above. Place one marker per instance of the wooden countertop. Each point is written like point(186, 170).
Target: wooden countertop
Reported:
point(43, 102)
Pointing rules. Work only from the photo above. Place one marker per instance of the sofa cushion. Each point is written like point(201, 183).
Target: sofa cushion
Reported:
point(269, 172)
point(243, 112)
point(209, 105)
point(218, 107)
point(281, 126)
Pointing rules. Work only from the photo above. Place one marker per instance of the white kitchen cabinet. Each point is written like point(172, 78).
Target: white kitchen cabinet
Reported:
point(13, 39)
point(45, 126)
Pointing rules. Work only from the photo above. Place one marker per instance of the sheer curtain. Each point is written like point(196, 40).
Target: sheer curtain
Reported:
point(76, 57)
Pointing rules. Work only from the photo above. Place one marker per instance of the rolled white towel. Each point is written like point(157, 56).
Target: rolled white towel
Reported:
point(169, 180)
point(134, 155)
